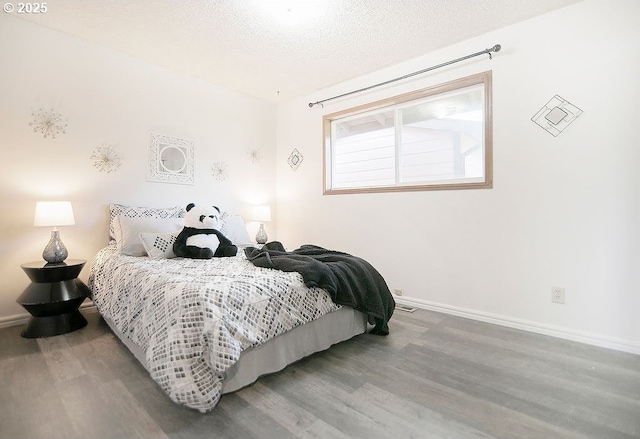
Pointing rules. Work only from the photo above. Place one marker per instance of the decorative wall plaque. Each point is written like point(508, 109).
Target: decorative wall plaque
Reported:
point(556, 115)
point(295, 158)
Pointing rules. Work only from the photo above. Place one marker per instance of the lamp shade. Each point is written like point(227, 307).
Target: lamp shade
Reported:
point(261, 213)
point(53, 214)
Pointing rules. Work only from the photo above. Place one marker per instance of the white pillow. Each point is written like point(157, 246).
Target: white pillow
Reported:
point(127, 232)
point(234, 228)
point(159, 245)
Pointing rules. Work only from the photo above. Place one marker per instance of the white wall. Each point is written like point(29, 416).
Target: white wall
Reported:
point(108, 97)
point(564, 211)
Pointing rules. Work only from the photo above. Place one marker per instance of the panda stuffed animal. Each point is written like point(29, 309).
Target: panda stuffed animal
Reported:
point(200, 239)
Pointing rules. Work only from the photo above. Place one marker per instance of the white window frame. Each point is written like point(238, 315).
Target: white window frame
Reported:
point(486, 182)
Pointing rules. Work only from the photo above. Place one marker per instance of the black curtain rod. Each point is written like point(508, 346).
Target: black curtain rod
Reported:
point(495, 48)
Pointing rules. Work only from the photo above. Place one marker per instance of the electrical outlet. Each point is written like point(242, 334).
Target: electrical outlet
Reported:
point(557, 295)
point(397, 292)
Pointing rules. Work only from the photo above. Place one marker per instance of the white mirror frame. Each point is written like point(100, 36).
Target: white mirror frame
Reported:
point(158, 172)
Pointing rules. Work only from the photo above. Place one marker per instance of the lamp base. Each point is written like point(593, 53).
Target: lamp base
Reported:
point(261, 237)
point(55, 251)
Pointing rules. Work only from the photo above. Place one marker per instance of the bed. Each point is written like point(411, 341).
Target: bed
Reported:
point(203, 328)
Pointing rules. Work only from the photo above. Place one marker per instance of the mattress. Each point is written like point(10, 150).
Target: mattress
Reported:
point(207, 327)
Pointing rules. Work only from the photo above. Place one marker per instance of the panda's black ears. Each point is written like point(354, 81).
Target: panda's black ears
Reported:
point(192, 205)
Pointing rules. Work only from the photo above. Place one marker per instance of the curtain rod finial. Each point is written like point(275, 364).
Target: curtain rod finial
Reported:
point(496, 48)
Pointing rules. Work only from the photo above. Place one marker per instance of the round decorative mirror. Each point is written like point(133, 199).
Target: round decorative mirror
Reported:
point(172, 159)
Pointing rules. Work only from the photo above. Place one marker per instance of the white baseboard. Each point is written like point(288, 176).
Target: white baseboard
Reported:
point(22, 319)
point(539, 328)
point(14, 320)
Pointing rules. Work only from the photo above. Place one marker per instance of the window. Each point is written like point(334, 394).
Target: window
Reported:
point(435, 138)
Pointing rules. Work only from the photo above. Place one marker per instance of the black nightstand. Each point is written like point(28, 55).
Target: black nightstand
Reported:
point(53, 298)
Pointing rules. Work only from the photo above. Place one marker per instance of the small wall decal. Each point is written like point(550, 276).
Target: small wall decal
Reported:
point(254, 155)
point(556, 115)
point(49, 123)
point(295, 158)
point(106, 158)
point(219, 171)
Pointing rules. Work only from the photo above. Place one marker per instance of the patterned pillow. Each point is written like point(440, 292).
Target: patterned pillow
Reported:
point(127, 232)
point(159, 245)
point(141, 212)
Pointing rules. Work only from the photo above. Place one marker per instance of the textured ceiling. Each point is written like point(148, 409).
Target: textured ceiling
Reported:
point(280, 49)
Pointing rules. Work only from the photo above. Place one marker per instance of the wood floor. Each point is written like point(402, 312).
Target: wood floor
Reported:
point(435, 376)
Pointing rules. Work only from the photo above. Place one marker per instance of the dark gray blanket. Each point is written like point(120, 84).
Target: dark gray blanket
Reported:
point(350, 280)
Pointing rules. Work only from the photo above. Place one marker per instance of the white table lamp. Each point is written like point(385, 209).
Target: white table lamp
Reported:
point(54, 214)
point(261, 214)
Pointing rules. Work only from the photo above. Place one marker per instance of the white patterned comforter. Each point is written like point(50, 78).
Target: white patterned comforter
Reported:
point(193, 318)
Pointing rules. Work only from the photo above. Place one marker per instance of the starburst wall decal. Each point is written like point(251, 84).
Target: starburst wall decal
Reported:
point(254, 155)
point(219, 170)
point(49, 123)
point(106, 158)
